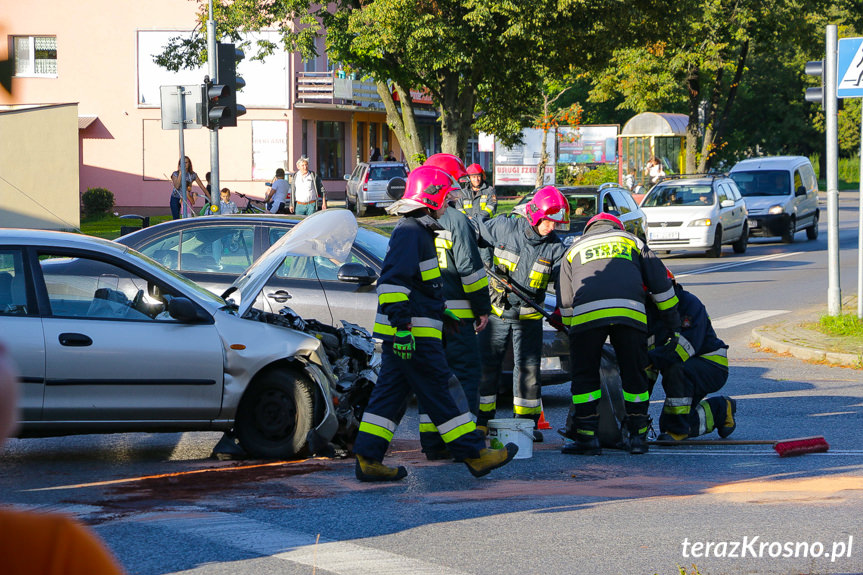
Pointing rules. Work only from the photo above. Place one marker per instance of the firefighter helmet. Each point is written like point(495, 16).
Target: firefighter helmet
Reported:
point(449, 163)
point(548, 204)
point(429, 186)
point(475, 170)
point(606, 217)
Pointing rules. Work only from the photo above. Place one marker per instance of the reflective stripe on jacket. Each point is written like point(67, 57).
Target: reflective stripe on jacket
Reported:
point(465, 284)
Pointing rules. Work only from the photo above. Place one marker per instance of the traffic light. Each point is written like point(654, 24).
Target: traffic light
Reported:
point(215, 105)
point(815, 68)
point(228, 56)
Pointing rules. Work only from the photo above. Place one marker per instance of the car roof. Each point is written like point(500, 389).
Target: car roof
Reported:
point(691, 181)
point(770, 162)
point(13, 236)
point(187, 222)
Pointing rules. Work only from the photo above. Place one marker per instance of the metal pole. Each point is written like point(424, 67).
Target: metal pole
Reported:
point(214, 132)
point(860, 228)
point(181, 96)
point(834, 291)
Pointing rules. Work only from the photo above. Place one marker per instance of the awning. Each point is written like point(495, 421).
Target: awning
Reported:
point(85, 121)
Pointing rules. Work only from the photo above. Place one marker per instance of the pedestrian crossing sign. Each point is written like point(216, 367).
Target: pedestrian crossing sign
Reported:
point(850, 68)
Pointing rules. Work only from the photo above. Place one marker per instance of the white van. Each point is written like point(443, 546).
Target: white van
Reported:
point(781, 194)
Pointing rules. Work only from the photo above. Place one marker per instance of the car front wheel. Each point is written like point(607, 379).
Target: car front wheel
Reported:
point(275, 415)
point(788, 233)
point(715, 250)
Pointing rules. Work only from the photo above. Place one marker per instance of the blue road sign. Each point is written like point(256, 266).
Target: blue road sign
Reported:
point(849, 68)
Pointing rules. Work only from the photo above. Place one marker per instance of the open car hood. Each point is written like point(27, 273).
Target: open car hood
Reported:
point(328, 234)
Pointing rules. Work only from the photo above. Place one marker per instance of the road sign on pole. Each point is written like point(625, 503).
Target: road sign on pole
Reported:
point(849, 67)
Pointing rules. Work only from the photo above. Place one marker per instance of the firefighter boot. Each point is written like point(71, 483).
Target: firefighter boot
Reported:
point(370, 470)
point(729, 425)
point(637, 424)
point(491, 459)
point(585, 441)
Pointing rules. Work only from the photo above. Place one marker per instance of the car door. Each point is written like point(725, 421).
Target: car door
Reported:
point(726, 218)
point(805, 204)
point(739, 210)
point(110, 355)
point(628, 212)
point(21, 331)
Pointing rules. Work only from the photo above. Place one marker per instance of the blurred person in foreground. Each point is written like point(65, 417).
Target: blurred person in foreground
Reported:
point(34, 543)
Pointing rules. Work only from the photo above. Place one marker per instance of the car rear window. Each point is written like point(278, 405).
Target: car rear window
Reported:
point(679, 196)
point(582, 206)
point(387, 172)
point(763, 182)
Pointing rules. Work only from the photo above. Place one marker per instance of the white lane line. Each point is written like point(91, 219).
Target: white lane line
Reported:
point(742, 317)
point(735, 264)
point(288, 545)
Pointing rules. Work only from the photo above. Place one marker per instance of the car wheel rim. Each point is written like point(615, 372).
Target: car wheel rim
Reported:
point(275, 415)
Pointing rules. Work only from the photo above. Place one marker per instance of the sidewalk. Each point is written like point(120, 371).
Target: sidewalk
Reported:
point(791, 337)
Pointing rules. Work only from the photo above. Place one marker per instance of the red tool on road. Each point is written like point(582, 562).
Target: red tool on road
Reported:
point(784, 447)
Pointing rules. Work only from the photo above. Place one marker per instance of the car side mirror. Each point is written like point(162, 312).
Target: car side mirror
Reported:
point(183, 310)
point(801, 191)
point(357, 273)
point(726, 204)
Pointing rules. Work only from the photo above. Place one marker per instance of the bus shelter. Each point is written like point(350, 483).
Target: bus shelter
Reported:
point(647, 135)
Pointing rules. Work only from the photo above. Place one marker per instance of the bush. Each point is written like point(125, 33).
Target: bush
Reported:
point(97, 201)
point(581, 175)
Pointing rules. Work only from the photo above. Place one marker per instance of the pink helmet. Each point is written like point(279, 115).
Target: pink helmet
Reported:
point(604, 216)
point(449, 163)
point(475, 170)
point(548, 204)
point(429, 186)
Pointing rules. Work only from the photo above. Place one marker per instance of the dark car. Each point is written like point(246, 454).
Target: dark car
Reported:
point(367, 185)
point(587, 201)
point(213, 251)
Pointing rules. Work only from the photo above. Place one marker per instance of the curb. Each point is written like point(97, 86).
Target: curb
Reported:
point(763, 338)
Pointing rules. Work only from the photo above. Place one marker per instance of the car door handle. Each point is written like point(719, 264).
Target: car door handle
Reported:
point(280, 296)
point(75, 340)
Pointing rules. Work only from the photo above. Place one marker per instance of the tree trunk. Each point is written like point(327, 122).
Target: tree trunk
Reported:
point(693, 85)
point(456, 104)
point(543, 152)
point(404, 124)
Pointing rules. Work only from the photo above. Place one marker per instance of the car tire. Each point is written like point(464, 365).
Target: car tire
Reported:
point(360, 208)
point(275, 415)
point(740, 245)
point(715, 250)
point(812, 231)
point(788, 233)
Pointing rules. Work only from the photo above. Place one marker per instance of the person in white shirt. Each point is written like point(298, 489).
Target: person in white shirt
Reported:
point(306, 188)
point(278, 196)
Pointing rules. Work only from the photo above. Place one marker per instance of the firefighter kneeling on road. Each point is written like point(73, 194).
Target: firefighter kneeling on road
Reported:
point(410, 321)
point(693, 365)
point(601, 294)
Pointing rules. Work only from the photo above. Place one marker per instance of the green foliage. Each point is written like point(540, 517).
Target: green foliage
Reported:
point(580, 175)
point(97, 201)
point(846, 325)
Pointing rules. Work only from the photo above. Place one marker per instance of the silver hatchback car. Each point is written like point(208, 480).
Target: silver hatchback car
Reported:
point(367, 185)
point(107, 340)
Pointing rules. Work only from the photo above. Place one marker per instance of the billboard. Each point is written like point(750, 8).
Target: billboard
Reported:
point(516, 166)
point(587, 145)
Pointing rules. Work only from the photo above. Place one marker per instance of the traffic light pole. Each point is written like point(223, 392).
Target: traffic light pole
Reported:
point(834, 292)
point(214, 131)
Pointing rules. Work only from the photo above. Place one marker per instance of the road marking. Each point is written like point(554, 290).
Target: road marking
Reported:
point(269, 540)
point(735, 264)
point(742, 317)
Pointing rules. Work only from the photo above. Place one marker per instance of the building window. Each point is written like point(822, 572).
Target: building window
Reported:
point(331, 150)
point(35, 55)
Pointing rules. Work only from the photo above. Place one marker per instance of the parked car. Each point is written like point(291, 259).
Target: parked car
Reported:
point(586, 201)
point(781, 194)
point(698, 213)
point(310, 284)
point(367, 185)
point(109, 341)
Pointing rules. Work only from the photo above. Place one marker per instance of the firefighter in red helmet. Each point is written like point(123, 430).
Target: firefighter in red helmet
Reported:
point(480, 200)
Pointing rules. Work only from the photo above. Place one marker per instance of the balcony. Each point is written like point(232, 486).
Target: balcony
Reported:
point(333, 89)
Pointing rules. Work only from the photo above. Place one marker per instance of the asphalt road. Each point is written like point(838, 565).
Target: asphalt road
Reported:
point(164, 507)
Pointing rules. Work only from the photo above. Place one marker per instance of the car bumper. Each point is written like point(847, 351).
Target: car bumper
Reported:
point(767, 225)
point(682, 238)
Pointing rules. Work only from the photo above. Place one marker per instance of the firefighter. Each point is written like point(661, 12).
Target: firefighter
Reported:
point(465, 288)
point(410, 321)
point(480, 201)
point(694, 367)
point(528, 252)
point(601, 294)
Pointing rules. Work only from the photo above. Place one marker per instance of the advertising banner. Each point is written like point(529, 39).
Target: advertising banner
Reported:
point(516, 166)
point(269, 148)
point(587, 145)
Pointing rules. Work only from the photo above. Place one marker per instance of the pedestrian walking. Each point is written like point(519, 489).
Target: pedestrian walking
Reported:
point(180, 188)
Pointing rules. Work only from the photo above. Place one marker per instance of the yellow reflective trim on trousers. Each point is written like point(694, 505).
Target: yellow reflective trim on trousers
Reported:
point(718, 359)
point(708, 416)
point(476, 286)
point(519, 410)
point(635, 397)
point(428, 428)
point(676, 409)
point(667, 304)
point(463, 313)
point(498, 311)
point(610, 312)
point(384, 329)
point(587, 397)
point(488, 406)
point(426, 332)
point(430, 274)
point(392, 298)
point(587, 432)
point(536, 315)
point(459, 431)
point(377, 430)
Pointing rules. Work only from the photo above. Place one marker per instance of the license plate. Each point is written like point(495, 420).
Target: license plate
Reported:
point(662, 234)
point(752, 223)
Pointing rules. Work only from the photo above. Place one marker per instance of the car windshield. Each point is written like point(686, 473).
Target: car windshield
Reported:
point(763, 182)
point(387, 172)
point(679, 196)
point(373, 242)
point(582, 205)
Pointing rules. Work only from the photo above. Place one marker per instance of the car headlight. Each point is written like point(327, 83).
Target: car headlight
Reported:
point(702, 222)
point(777, 209)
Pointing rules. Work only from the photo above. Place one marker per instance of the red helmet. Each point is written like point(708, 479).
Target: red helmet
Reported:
point(449, 163)
point(429, 186)
point(604, 216)
point(475, 170)
point(548, 204)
